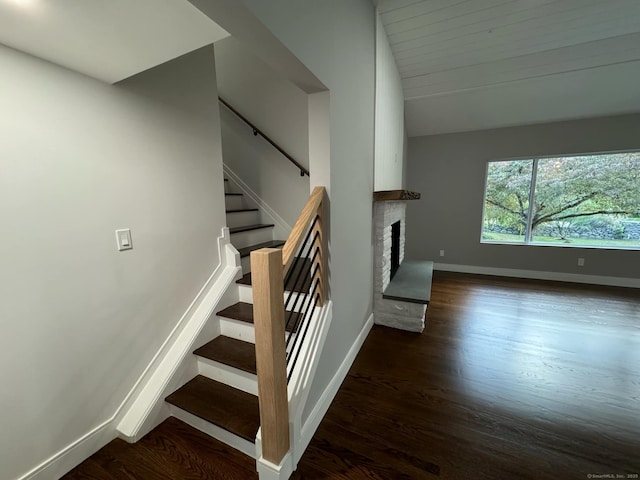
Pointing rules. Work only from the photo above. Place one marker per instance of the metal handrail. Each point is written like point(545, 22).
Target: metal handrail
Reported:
point(257, 131)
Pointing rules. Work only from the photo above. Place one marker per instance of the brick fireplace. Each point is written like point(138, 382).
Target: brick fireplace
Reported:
point(391, 308)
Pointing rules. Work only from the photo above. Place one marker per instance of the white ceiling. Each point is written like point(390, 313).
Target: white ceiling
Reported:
point(106, 39)
point(465, 64)
point(476, 64)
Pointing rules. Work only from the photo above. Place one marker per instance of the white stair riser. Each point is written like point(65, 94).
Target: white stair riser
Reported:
point(246, 264)
point(234, 202)
point(245, 294)
point(247, 382)
point(237, 329)
point(251, 237)
point(239, 219)
point(214, 431)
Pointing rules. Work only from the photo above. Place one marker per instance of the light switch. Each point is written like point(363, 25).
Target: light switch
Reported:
point(123, 239)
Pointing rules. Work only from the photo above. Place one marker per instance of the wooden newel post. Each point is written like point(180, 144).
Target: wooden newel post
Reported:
point(268, 317)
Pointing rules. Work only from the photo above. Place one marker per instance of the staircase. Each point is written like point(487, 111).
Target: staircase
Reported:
point(206, 373)
point(222, 400)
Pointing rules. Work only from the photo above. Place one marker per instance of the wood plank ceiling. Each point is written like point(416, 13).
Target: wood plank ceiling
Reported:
point(452, 47)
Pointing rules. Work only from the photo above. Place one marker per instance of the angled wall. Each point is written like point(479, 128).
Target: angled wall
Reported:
point(78, 160)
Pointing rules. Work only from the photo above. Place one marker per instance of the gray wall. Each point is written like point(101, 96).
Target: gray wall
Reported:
point(449, 171)
point(389, 117)
point(279, 109)
point(78, 160)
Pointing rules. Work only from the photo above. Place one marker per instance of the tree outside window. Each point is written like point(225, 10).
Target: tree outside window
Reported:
point(586, 200)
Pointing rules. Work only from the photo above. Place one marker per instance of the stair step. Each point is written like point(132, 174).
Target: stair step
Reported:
point(247, 228)
point(301, 286)
point(250, 232)
point(240, 216)
point(244, 312)
point(232, 352)
point(240, 210)
point(246, 251)
point(234, 201)
point(228, 408)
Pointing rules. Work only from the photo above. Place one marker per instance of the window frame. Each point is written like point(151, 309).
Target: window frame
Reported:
point(528, 234)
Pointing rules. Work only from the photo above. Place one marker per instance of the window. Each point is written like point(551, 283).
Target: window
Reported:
point(588, 200)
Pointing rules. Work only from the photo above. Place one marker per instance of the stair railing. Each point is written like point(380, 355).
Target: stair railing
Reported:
point(257, 131)
point(300, 267)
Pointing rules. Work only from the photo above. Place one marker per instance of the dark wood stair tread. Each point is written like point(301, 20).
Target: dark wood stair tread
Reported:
point(241, 210)
point(244, 312)
point(229, 408)
point(301, 285)
point(246, 251)
point(246, 228)
point(232, 352)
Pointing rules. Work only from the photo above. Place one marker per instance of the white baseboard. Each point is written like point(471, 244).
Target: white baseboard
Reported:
point(73, 454)
point(141, 411)
point(540, 275)
point(320, 409)
point(283, 229)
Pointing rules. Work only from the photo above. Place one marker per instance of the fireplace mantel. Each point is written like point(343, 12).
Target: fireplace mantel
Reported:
point(391, 195)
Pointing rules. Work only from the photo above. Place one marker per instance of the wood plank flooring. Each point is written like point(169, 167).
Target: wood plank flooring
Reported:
point(173, 451)
point(511, 379)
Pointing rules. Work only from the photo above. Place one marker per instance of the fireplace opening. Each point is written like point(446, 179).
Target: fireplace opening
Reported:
point(395, 248)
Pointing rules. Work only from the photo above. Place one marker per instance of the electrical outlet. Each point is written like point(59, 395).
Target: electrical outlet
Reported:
point(442, 253)
point(581, 262)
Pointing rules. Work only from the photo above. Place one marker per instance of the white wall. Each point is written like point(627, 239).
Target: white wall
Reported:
point(336, 41)
point(279, 109)
point(79, 159)
point(390, 131)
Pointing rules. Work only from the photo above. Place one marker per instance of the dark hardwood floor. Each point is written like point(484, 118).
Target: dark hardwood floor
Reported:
point(511, 379)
